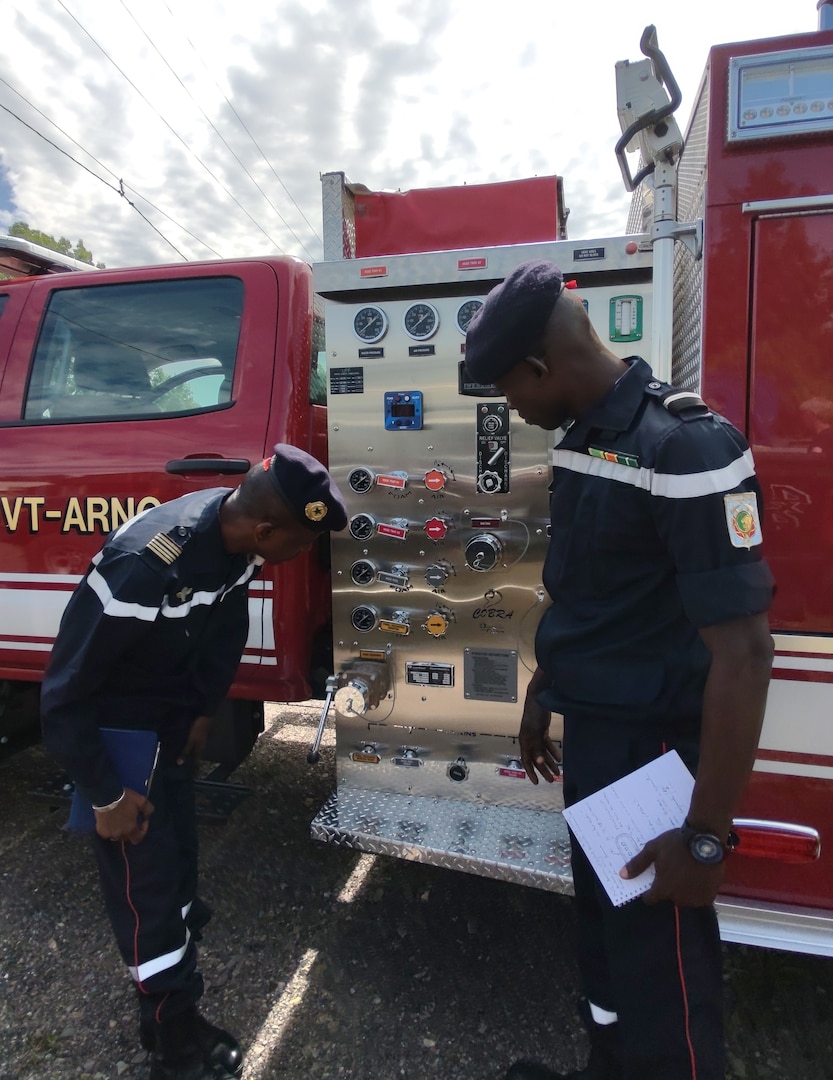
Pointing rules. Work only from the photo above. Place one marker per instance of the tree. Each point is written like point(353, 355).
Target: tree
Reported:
point(64, 246)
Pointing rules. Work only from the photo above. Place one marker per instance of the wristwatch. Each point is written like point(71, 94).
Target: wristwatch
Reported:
point(705, 847)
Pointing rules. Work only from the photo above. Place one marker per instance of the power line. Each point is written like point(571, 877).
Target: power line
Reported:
point(118, 190)
point(216, 131)
point(106, 168)
point(176, 135)
point(245, 128)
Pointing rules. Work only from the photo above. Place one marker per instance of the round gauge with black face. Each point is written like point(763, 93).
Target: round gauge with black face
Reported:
point(370, 324)
point(466, 312)
point(421, 321)
point(363, 618)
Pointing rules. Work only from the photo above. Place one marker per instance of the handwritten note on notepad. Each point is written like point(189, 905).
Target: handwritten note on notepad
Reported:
point(613, 824)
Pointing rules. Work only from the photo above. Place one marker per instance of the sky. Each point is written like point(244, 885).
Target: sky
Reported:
point(215, 118)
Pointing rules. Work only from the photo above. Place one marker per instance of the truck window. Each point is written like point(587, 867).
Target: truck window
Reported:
point(3, 298)
point(136, 350)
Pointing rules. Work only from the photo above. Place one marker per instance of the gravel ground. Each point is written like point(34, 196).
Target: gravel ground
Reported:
point(329, 964)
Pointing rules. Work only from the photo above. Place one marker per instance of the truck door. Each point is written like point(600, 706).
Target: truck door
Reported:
point(791, 411)
point(121, 390)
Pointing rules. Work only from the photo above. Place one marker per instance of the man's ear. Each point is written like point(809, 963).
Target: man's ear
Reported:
point(263, 531)
point(538, 366)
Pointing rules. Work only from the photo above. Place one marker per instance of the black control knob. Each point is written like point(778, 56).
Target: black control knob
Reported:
point(483, 552)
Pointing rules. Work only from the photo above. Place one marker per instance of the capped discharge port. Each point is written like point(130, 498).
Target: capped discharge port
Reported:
point(458, 771)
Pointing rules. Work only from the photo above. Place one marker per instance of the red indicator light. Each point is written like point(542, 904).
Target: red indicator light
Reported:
point(631, 247)
point(775, 840)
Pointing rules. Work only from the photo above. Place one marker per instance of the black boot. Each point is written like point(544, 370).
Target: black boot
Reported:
point(187, 1047)
point(605, 1056)
point(219, 1045)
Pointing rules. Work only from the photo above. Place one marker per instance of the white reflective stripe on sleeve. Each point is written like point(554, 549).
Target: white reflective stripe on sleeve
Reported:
point(665, 485)
point(159, 963)
point(119, 609)
point(186, 909)
point(245, 576)
point(603, 1017)
point(199, 599)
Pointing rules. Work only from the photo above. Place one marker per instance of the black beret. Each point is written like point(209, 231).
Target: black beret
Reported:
point(512, 319)
point(305, 486)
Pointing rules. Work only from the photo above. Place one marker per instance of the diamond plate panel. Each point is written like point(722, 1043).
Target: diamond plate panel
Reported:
point(339, 221)
point(527, 847)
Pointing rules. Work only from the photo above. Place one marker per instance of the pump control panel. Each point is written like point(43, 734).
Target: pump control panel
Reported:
point(439, 572)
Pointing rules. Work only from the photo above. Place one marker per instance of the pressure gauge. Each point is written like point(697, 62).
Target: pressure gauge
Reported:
point(421, 321)
point(370, 324)
point(466, 312)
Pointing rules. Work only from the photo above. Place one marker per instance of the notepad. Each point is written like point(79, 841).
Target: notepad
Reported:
point(134, 754)
point(614, 824)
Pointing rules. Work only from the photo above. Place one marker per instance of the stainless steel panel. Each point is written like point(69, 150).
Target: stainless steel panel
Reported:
point(443, 585)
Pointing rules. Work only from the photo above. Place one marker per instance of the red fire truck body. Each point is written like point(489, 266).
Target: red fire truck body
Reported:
point(765, 346)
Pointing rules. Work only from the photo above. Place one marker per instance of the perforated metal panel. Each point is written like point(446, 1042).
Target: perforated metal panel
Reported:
point(688, 272)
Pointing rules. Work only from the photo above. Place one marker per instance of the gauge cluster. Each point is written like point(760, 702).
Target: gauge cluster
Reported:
point(420, 320)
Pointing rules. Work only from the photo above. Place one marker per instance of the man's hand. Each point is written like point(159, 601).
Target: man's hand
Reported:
point(538, 751)
point(195, 743)
point(126, 821)
point(679, 877)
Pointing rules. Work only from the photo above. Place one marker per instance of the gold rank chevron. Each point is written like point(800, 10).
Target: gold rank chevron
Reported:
point(164, 548)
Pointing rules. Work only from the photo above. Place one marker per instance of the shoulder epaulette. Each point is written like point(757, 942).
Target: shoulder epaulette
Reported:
point(164, 548)
point(678, 401)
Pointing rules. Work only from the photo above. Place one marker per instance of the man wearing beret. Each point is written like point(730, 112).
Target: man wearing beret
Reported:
point(657, 639)
point(151, 639)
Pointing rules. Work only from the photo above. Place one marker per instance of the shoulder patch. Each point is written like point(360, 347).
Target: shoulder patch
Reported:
point(742, 519)
point(164, 548)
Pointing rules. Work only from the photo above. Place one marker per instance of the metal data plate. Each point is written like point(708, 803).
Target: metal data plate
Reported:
point(528, 847)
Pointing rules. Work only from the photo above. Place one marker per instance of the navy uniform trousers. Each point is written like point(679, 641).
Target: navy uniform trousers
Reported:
point(148, 891)
point(659, 967)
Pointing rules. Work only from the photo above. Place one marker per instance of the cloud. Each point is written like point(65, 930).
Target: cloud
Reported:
point(393, 93)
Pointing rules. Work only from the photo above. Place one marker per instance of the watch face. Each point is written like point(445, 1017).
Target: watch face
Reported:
point(421, 321)
point(370, 324)
point(466, 312)
point(705, 848)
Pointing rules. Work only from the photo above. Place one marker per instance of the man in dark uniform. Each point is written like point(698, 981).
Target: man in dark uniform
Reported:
point(151, 639)
point(656, 639)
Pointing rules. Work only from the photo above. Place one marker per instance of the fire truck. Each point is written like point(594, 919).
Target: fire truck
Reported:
point(123, 388)
point(724, 283)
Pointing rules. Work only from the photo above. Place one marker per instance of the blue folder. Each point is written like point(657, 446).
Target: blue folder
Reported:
point(133, 754)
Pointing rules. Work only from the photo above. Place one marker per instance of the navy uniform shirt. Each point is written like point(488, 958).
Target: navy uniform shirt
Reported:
point(151, 637)
point(655, 533)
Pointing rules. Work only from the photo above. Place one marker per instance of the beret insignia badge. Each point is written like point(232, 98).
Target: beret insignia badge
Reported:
point(315, 511)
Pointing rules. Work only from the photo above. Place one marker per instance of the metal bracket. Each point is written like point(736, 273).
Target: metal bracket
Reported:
point(689, 233)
